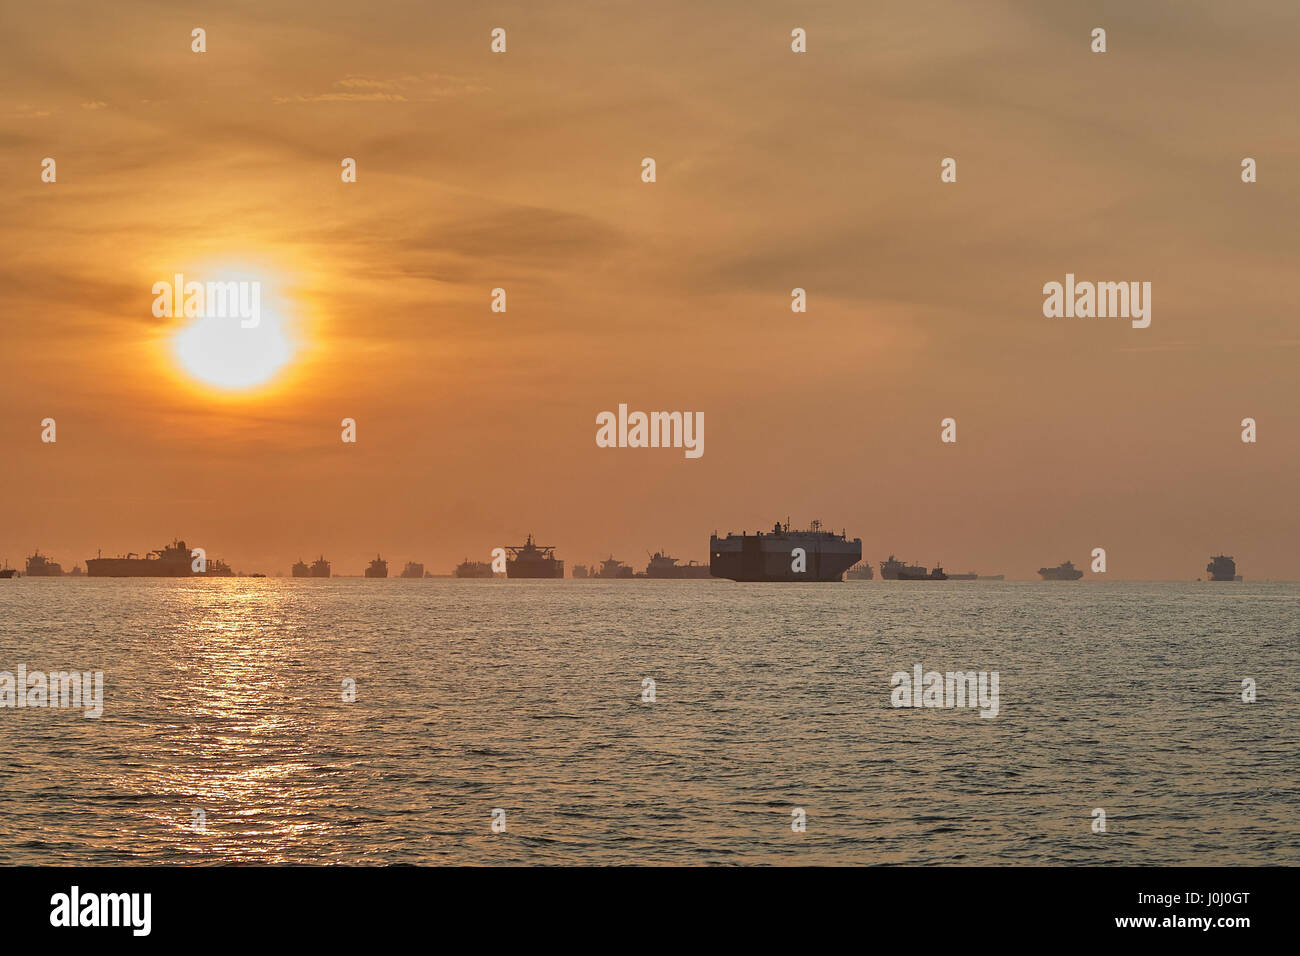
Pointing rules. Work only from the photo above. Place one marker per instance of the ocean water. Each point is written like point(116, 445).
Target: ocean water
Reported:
point(226, 697)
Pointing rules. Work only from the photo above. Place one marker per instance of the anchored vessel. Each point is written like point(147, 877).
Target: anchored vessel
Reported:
point(860, 572)
point(1221, 568)
point(7, 572)
point(173, 561)
point(1066, 571)
point(769, 556)
point(893, 569)
point(908, 574)
point(473, 569)
point(413, 569)
point(532, 560)
point(378, 568)
point(663, 566)
point(39, 566)
point(611, 567)
point(580, 571)
point(968, 576)
point(300, 569)
point(320, 568)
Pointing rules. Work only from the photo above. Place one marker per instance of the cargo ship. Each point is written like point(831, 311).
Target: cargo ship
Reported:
point(532, 560)
point(861, 571)
point(473, 569)
point(663, 566)
point(1221, 568)
point(1066, 571)
point(39, 566)
point(611, 567)
point(215, 568)
point(413, 569)
point(320, 568)
point(300, 569)
point(378, 568)
point(174, 561)
point(580, 571)
point(968, 576)
point(908, 574)
point(892, 568)
point(7, 572)
point(992, 577)
point(768, 556)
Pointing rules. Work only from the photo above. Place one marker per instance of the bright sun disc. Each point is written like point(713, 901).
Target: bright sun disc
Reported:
point(220, 351)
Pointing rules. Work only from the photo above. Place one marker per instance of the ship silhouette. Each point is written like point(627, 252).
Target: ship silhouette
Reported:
point(39, 566)
point(473, 569)
point(532, 560)
point(1065, 571)
point(769, 556)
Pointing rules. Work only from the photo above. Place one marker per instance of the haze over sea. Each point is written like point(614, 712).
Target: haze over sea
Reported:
point(226, 696)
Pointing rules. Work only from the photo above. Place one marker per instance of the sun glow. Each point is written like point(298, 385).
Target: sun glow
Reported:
point(236, 341)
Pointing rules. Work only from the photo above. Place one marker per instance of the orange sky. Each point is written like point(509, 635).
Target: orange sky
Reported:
point(775, 170)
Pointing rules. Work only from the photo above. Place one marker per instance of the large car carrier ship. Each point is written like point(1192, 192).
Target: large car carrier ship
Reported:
point(770, 555)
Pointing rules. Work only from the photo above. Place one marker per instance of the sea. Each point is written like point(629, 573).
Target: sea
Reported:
point(490, 722)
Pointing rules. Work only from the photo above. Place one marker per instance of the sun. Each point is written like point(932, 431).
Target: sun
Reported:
point(236, 338)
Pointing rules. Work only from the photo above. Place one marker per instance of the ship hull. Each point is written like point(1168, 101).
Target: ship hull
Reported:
point(690, 571)
point(534, 569)
point(769, 557)
point(137, 568)
point(1061, 575)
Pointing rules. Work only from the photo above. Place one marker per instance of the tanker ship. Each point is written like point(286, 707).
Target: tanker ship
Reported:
point(893, 569)
point(663, 566)
point(532, 560)
point(473, 569)
point(39, 566)
point(378, 568)
point(173, 561)
point(769, 556)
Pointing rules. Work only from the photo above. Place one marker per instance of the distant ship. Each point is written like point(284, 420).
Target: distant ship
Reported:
point(39, 566)
point(77, 571)
point(215, 568)
point(300, 569)
point(892, 568)
point(663, 566)
point(767, 556)
point(413, 569)
point(378, 568)
point(320, 568)
point(7, 572)
point(473, 569)
point(1221, 568)
point(580, 571)
point(173, 561)
point(611, 567)
point(968, 576)
point(909, 574)
point(1065, 571)
point(992, 577)
point(532, 560)
point(860, 572)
